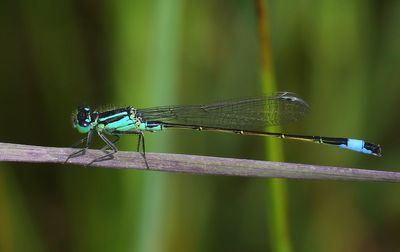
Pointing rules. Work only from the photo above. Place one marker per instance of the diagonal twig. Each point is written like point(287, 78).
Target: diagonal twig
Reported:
point(194, 164)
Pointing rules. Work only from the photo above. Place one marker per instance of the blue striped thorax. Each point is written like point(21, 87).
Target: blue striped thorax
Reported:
point(112, 122)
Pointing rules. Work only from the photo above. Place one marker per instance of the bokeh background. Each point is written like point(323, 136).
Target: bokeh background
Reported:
point(342, 57)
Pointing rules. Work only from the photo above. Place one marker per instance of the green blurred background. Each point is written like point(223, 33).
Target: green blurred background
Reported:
point(342, 57)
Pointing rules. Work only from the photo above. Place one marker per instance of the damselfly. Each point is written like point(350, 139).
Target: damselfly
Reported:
point(240, 116)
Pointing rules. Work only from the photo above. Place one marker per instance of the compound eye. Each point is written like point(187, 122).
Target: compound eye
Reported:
point(83, 120)
point(83, 117)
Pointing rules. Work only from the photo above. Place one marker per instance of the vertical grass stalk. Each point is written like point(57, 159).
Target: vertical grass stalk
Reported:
point(276, 188)
point(146, 72)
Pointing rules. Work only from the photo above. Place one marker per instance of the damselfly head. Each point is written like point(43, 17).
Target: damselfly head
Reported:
point(82, 119)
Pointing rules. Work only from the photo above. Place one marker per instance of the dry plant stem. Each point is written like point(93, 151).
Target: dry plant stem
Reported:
point(193, 164)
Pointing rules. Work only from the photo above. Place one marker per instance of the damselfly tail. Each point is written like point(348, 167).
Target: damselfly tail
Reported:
point(345, 143)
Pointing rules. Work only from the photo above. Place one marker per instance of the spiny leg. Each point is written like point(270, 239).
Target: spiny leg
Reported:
point(141, 139)
point(82, 151)
point(140, 142)
point(109, 155)
point(107, 147)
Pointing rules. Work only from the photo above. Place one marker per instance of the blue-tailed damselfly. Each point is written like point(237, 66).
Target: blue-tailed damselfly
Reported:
point(241, 116)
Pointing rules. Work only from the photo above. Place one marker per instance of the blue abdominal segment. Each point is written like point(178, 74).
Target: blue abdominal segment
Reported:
point(356, 145)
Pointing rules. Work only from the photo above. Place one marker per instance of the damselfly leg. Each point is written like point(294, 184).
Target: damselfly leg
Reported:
point(140, 142)
point(106, 148)
point(81, 152)
point(109, 145)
